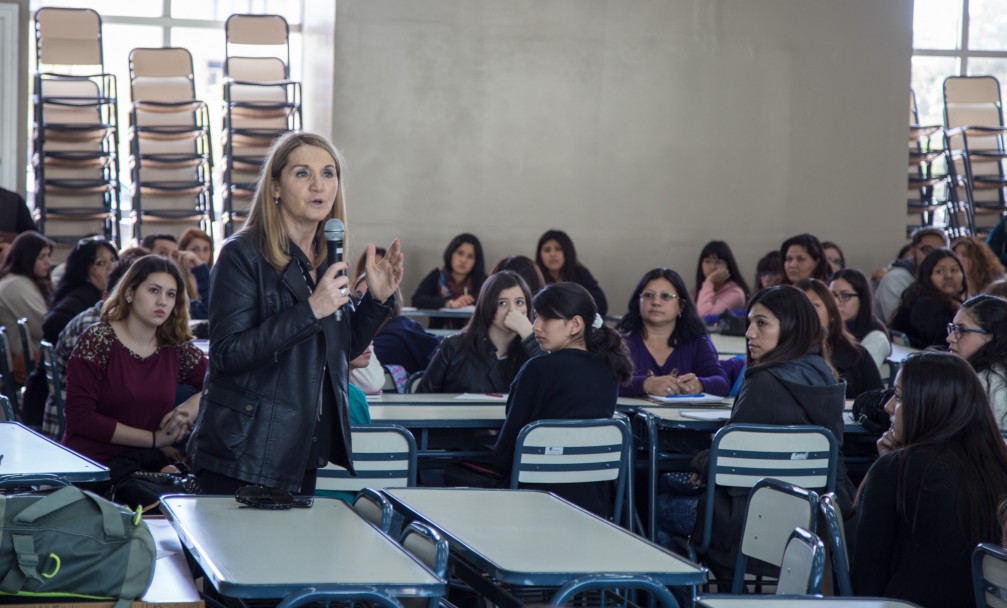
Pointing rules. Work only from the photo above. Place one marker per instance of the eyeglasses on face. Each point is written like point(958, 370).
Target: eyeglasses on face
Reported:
point(957, 329)
point(664, 296)
point(845, 296)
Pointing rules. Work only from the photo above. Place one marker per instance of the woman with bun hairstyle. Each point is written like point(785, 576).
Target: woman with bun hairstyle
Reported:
point(557, 258)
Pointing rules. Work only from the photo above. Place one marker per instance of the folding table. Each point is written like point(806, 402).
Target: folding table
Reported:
point(24, 454)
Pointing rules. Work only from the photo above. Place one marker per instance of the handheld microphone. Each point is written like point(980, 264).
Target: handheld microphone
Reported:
point(335, 232)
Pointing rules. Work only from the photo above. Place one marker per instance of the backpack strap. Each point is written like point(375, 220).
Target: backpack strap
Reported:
point(111, 519)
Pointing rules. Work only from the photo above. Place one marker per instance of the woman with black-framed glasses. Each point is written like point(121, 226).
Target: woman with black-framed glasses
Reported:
point(856, 305)
point(978, 334)
point(667, 340)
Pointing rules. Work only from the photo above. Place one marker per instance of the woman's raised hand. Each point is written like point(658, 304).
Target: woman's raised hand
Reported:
point(519, 323)
point(384, 275)
point(332, 291)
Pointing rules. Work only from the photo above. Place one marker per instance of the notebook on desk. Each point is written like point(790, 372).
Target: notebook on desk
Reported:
point(693, 398)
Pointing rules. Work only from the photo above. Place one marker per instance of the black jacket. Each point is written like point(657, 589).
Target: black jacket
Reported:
point(71, 304)
point(267, 356)
point(404, 342)
point(588, 282)
point(452, 370)
point(797, 392)
point(857, 368)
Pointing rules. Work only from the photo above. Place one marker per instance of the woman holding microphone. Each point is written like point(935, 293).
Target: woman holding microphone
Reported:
point(274, 406)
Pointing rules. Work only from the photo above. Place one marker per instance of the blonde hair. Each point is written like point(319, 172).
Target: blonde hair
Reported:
point(175, 329)
point(264, 224)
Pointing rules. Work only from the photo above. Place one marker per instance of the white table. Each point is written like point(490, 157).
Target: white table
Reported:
point(531, 538)
point(729, 346)
point(255, 553)
point(26, 454)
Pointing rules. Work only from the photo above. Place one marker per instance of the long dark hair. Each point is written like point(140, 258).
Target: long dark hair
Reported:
point(813, 246)
point(771, 263)
point(865, 322)
point(21, 258)
point(689, 325)
point(524, 266)
point(476, 332)
point(78, 264)
point(945, 407)
point(569, 300)
point(800, 330)
point(989, 313)
point(721, 251)
point(836, 334)
point(478, 272)
point(570, 263)
point(924, 285)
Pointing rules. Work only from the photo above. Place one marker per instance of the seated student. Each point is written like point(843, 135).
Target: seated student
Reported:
point(978, 334)
point(981, 265)
point(455, 284)
point(557, 259)
point(997, 241)
point(719, 284)
point(997, 288)
point(667, 341)
point(121, 377)
point(930, 303)
point(851, 360)
point(769, 271)
point(368, 375)
point(933, 494)
point(835, 257)
point(25, 291)
point(63, 347)
point(160, 243)
point(524, 266)
point(803, 257)
point(403, 341)
point(579, 378)
point(198, 242)
point(786, 382)
point(856, 306)
point(902, 272)
point(489, 351)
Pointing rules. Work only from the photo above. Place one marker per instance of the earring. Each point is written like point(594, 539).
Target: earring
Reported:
point(276, 200)
point(129, 300)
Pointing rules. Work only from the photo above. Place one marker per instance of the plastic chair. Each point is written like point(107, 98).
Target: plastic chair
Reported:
point(835, 532)
point(384, 455)
point(171, 156)
point(7, 409)
point(414, 381)
point(744, 454)
point(600, 582)
point(426, 544)
point(54, 380)
point(577, 451)
point(803, 564)
point(75, 142)
point(322, 594)
point(989, 576)
point(375, 508)
point(26, 351)
point(775, 508)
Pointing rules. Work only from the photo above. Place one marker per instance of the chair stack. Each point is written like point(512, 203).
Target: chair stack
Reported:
point(75, 130)
point(930, 178)
point(171, 159)
point(260, 103)
point(973, 115)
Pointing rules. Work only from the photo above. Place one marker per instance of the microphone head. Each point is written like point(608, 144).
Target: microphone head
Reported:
point(334, 230)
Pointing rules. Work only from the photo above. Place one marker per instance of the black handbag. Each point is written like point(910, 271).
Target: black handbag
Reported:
point(145, 488)
point(869, 410)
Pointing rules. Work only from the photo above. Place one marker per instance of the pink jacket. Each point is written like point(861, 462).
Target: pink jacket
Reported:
point(730, 296)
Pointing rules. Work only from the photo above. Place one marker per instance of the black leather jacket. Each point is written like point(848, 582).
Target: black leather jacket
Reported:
point(267, 355)
point(452, 370)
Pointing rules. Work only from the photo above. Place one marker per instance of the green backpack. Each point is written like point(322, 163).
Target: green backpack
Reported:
point(75, 544)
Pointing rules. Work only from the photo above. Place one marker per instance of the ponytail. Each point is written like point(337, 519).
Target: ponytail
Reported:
point(607, 342)
point(569, 300)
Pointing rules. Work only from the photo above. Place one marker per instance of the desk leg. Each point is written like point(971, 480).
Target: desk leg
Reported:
point(475, 579)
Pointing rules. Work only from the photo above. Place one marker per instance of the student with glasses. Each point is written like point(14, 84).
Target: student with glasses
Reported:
point(856, 306)
point(667, 341)
point(978, 334)
point(719, 284)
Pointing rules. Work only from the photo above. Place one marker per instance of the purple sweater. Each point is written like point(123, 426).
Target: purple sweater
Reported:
point(697, 356)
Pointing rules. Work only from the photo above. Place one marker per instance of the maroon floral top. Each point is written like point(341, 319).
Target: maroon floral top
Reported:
point(107, 383)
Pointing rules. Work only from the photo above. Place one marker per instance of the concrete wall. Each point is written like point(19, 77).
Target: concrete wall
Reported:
point(644, 128)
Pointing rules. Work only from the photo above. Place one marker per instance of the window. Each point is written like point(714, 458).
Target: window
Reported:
point(955, 37)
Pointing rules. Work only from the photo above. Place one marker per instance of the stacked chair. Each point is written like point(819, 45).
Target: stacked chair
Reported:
point(931, 177)
point(75, 130)
point(973, 116)
point(260, 103)
point(171, 158)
